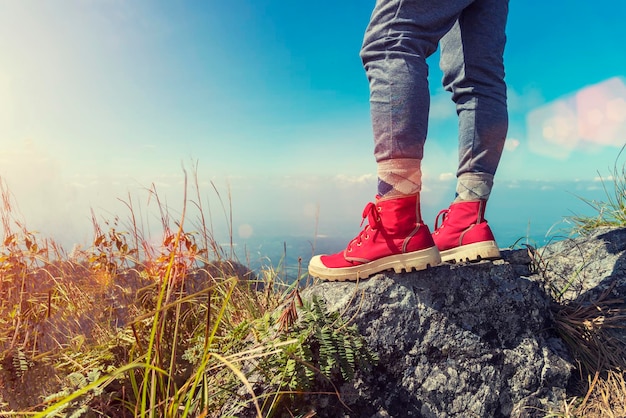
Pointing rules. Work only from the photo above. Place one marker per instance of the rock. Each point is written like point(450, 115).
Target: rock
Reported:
point(455, 340)
point(588, 274)
point(585, 267)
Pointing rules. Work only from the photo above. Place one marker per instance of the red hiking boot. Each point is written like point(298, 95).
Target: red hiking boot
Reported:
point(395, 238)
point(464, 234)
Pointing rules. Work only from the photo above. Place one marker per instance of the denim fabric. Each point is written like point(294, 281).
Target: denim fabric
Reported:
point(400, 36)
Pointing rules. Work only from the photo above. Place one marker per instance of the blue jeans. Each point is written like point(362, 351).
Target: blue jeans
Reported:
point(400, 36)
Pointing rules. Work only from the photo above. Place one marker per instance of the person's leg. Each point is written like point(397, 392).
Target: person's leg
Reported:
point(472, 62)
point(399, 38)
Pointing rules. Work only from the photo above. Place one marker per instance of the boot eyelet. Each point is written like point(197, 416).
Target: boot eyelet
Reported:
point(367, 237)
point(378, 219)
point(358, 244)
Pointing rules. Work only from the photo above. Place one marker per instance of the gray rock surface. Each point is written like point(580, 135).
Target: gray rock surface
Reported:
point(586, 267)
point(590, 273)
point(453, 341)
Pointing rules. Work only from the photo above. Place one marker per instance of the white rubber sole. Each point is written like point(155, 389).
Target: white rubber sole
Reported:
point(485, 250)
point(417, 260)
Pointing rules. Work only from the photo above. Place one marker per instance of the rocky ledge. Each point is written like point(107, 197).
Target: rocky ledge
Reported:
point(471, 340)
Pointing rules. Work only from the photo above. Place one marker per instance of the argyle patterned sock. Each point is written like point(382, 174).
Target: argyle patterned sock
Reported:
point(473, 186)
point(399, 176)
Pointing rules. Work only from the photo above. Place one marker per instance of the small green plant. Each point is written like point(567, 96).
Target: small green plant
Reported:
point(20, 363)
point(80, 406)
point(314, 351)
point(329, 344)
point(610, 212)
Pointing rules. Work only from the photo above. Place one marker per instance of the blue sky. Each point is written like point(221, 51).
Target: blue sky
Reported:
point(101, 99)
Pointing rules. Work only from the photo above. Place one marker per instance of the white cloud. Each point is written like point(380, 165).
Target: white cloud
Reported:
point(593, 188)
point(446, 176)
point(343, 180)
point(603, 179)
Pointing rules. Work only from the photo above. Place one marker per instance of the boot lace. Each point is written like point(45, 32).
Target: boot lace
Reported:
point(373, 223)
point(442, 214)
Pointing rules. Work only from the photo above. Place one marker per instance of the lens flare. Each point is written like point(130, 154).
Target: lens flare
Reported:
point(593, 116)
